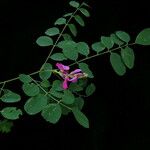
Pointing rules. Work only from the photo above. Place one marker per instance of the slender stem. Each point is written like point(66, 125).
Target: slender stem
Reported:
point(2, 88)
point(99, 54)
point(14, 79)
point(60, 35)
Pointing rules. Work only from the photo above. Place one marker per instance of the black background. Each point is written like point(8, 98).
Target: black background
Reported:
point(118, 111)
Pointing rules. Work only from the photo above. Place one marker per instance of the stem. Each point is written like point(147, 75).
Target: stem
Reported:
point(14, 79)
point(60, 35)
point(99, 54)
point(2, 88)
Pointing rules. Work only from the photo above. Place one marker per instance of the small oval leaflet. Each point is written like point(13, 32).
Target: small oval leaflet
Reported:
point(69, 49)
point(128, 57)
point(67, 36)
point(85, 12)
point(46, 71)
point(116, 40)
point(58, 57)
point(68, 14)
point(68, 97)
point(52, 31)
point(83, 48)
point(25, 78)
point(55, 93)
point(117, 64)
point(57, 85)
point(75, 87)
point(10, 97)
point(45, 84)
point(79, 20)
point(90, 89)
point(30, 89)
point(35, 104)
point(79, 103)
point(143, 38)
point(11, 113)
point(65, 111)
point(73, 29)
point(80, 117)
point(98, 47)
point(44, 41)
point(74, 4)
point(5, 126)
point(123, 36)
point(107, 41)
point(52, 113)
point(60, 21)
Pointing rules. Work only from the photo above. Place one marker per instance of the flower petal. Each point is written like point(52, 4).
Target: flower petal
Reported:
point(62, 67)
point(74, 79)
point(76, 71)
point(66, 67)
point(65, 83)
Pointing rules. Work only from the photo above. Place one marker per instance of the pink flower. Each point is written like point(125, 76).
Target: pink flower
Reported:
point(69, 77)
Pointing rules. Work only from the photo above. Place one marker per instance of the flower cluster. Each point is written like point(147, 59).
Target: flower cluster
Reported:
point(69, 77)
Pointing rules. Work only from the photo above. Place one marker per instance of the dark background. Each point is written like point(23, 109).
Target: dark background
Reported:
point(118, 111)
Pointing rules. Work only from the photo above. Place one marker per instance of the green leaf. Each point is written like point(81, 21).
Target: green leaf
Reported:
point(85, 12)
point(85, 4)
point(85, 68)
point(83, 48)
point(68, 14)
point(107, 41)
point(11, 113)
point(116, 40)
point(25, 78)
point(74, 4)
point(71, 53)
point(80, 117)
point(67, 44)
point(57, 85)
point(79, 20)
point(128, 57)
point(67, 37)
point(143, 38)
point(52, 31)
point(73, 29)
point(5, 126)
point(74, 87)
point(90, 89)
point(98, 47)
point(46, 71)
point(45, 84)
point(58, 57)
point(123, 36)
point(35, 104)
point(60, 21)
point(30, 89)
point(79, 103)
point(52, 113)
point(65, 111)
point(55, 93)
point(82, 82)
point(44, 41)
point(10, 97)
point(117, 64)
point(68, 97)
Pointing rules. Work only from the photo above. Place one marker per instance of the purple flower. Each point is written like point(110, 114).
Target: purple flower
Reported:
point(69, 77)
